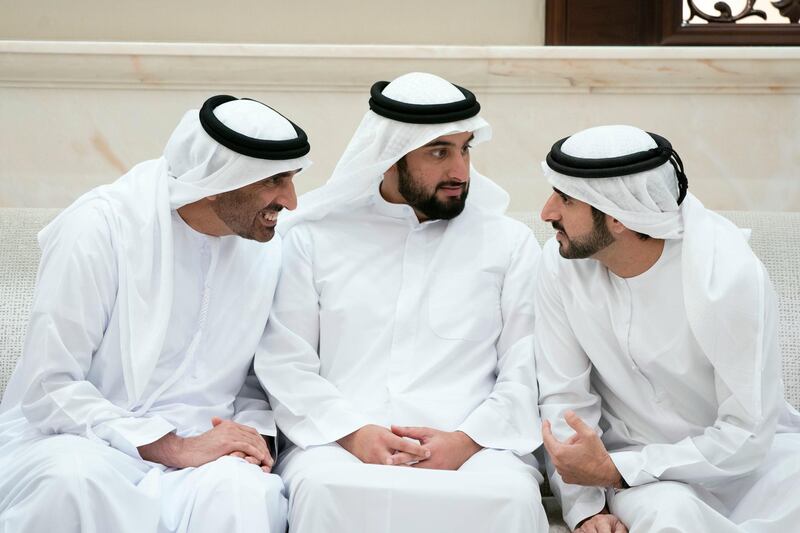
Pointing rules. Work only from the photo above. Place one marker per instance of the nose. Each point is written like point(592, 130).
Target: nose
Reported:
point(287, 197)
point(460, 168)
point(550, 211)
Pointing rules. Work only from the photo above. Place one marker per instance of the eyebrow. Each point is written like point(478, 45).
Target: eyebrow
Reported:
point(439, 142)
point(283, 174)
point(565, 195)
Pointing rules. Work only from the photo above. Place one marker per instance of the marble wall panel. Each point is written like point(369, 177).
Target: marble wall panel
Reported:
point(732, 114)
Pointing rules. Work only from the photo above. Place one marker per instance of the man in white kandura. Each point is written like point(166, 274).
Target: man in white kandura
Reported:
point(657, 330)
point(401, 332)
point(134, 407)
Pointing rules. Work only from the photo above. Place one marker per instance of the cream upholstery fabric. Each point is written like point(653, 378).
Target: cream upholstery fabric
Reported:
point(19, 258)
point(775, 239)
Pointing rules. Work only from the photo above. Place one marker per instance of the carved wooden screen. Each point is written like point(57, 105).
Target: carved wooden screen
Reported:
point(671, 22)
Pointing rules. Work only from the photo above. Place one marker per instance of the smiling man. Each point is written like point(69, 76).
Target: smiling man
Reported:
point(133, 408)
point(657, 351)
point(398, 356)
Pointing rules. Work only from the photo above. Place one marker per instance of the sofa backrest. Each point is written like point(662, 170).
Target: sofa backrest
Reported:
point(775, 239)
point(19, 258)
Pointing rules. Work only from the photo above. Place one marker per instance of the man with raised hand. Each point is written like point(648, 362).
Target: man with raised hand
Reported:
point(657, 351)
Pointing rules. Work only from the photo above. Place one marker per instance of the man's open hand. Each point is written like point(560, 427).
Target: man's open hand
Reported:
point(449, 449)
point(377, 445)
point(582, 459)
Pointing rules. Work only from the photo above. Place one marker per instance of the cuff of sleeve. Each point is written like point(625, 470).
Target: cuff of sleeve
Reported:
point(322, 427)
point(630, 465)
point(584, 509)
point(127, 434)
point(260, 420)
point(489, 432)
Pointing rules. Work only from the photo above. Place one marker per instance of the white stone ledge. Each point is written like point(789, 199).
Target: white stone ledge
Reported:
point(331, 68)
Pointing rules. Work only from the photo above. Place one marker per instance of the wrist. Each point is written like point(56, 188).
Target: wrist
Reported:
point(167, 450)
point(176, 448)
point(347, 441)
point(467, 442)
point(617, 481)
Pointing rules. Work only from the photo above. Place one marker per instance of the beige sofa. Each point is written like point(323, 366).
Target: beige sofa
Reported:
point(775, 239)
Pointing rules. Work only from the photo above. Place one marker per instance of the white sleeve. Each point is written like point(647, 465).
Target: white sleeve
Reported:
point(75, 294)
point(735, 444)
point(308, 408)
point(508, 418)
point(563, 371)
point(251, 407)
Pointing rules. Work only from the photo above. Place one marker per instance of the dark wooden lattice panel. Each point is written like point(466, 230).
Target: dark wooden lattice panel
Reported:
point(661, 22)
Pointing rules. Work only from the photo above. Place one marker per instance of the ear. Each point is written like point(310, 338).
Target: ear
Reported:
point(614, 225)
point(391, 172)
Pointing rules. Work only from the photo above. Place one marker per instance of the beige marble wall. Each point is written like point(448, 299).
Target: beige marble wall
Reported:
point(76, 115)
point(466, 22)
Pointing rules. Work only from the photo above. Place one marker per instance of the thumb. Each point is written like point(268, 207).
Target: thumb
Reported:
point(414, 432)
point(575, 422)
point(215, 421)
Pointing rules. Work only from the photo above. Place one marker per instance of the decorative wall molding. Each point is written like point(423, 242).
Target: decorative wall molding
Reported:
point(344, 68)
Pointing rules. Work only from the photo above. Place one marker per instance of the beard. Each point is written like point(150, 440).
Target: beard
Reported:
point(426, 202)
point(587, 245)
point(243, 214)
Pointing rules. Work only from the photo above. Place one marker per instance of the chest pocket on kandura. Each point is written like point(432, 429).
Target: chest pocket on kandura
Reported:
point(465, 306)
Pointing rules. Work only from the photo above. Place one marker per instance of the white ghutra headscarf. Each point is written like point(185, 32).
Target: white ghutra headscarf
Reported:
point(379, 142)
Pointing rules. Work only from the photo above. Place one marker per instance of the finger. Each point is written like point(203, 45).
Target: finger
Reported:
point(249, 431)
point(402, 458)
point(253, 437)
point(620, 528)
point(266, 469)
point(574, 438)
point(575, 422)
point(604, 527)
point(247, 448)
point(252, 460)
point(404, 445)
point(418, 433)
point(551, 443)
point(215, 421)
point(240, 455)
point(268, 460)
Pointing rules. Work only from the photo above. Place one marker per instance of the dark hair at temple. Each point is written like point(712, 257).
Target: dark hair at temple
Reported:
point(598, 217)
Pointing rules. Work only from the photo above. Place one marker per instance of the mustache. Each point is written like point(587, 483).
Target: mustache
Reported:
point(557, 226)
point(452, 183)
point(272, 207)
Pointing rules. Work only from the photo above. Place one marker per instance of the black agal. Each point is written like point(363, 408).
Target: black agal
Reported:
point(242, 144)
point(422, 113)
point(624, 165)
